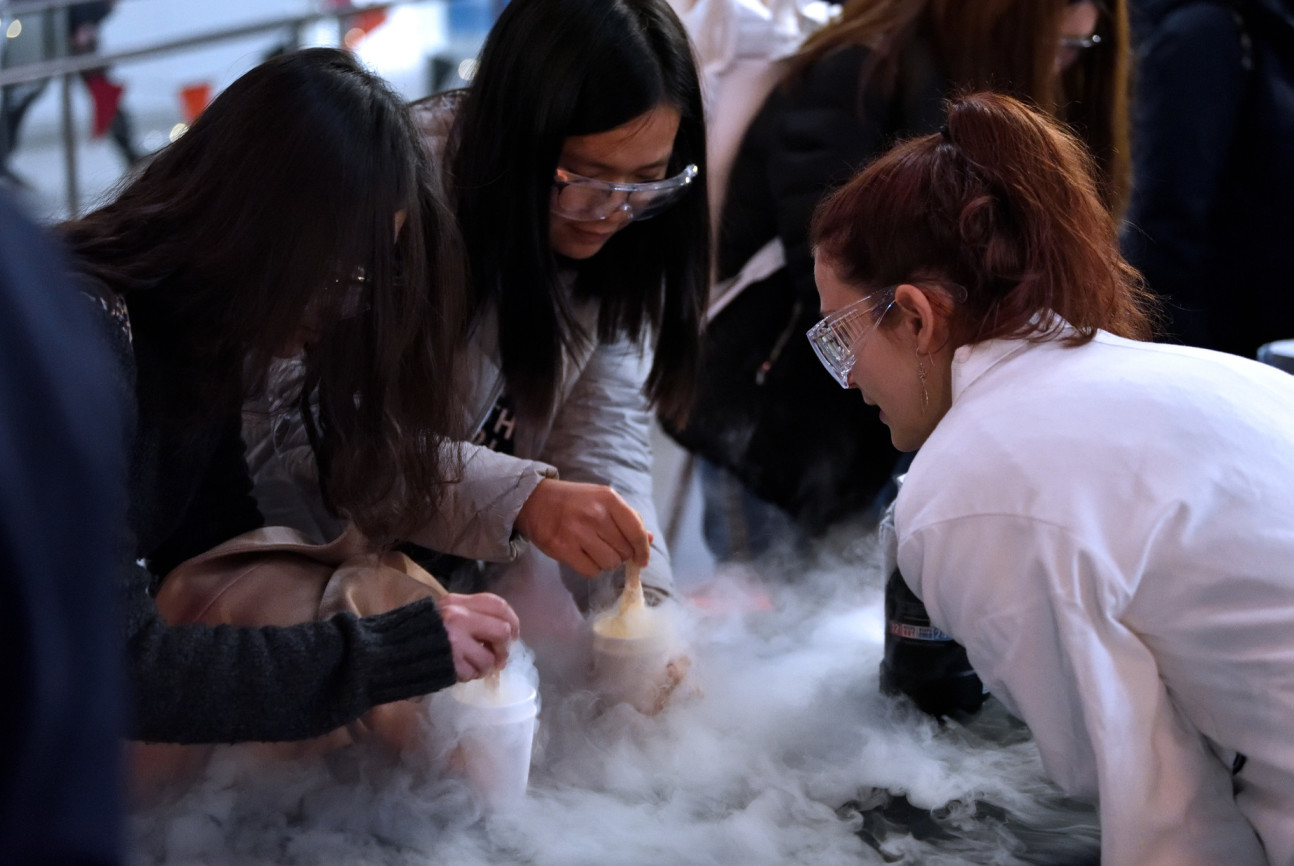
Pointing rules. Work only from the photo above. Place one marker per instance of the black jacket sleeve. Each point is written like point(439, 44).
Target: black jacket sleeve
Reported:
point(832, 132)
point(811, 136)
point(1190, 82)
point(62, 512)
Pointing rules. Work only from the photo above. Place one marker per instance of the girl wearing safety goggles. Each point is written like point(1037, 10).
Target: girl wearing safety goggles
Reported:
point(1106, 524)
point(576, 163)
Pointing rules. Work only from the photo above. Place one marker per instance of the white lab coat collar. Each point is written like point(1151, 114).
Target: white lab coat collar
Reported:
point(972, 361)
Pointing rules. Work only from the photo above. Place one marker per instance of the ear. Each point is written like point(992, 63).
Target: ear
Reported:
point(925, 322)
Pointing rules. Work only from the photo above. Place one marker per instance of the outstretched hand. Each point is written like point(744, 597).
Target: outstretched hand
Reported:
point(586, 526)
point(480, 627)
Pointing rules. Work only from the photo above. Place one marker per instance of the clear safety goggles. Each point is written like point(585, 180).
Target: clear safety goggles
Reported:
point(837, 338)
point(585, 199)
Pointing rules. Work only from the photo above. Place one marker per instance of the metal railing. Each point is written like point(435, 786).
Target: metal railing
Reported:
point(67, 68)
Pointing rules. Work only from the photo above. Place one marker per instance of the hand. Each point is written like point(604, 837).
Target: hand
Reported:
point(480, 627)
point(675, 671)
point(586, 526)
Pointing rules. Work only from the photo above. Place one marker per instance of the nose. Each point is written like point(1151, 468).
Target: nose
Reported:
point(621, 216)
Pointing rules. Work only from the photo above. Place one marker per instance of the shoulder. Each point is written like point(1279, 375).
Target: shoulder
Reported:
point(833, 79)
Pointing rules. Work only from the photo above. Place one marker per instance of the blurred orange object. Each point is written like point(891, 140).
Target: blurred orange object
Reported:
point(361, 24)
point(194, 98)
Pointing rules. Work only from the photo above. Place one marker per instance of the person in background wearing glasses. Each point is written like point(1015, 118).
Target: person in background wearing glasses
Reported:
point(1106, 524)
point(774, 454)
point(783, 454)
point(575, 165)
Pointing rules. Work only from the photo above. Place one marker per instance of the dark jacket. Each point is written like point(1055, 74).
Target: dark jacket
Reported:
point(190, 490)
point(62, 506)
point(1212, 210)
point(766, 410)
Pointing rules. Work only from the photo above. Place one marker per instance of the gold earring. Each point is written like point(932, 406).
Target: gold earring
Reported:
point(925, 394)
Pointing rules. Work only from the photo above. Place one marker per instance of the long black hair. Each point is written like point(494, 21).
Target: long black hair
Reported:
point(551, 69)
point(276, 209)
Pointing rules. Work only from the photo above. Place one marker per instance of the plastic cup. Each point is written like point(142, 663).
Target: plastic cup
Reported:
point(496, 733)
point(632, 668)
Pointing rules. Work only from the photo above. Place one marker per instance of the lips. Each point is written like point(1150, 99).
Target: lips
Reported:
point(592, 237)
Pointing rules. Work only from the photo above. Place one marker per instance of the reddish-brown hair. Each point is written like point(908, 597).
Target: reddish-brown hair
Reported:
point(1004, 45)
point(1005, 204)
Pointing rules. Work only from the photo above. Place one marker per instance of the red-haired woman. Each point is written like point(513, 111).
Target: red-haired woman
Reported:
point(1105, 524)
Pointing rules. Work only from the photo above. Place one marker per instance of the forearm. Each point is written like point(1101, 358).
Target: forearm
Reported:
point(477, 518)
point(199, 684)
point(603, 436)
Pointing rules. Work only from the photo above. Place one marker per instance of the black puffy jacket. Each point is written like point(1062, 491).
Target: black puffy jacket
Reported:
point(765, 409)
point(1212, 209)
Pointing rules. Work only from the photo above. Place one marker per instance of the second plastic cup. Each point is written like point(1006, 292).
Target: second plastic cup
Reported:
point(496, 733)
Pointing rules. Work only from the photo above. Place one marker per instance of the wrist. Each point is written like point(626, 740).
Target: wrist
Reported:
point(523, 524)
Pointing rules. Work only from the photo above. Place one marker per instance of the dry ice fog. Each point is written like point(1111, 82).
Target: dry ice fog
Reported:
point(776, 748)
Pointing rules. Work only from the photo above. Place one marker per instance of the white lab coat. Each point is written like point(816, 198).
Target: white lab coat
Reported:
point(1109, 530)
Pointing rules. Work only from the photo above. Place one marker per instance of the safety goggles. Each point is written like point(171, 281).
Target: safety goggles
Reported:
point(837, 338)
point(1080, 43)
point(585, 199)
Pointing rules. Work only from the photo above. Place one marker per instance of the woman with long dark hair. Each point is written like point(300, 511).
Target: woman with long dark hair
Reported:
point(1105, 523)
point(584, 120)
point(295, 215)
point(574, 164)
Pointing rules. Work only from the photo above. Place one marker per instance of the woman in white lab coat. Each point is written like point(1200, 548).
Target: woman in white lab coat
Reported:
point(1106, 524)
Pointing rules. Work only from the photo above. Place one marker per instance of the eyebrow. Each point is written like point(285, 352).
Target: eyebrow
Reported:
point(602, 166)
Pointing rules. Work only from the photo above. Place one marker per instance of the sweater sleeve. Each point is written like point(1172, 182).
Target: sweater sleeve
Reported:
point(602, 435)
point(203, 684)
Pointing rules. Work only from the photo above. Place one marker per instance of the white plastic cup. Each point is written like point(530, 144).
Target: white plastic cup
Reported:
point(496, 733)
point(632, 669)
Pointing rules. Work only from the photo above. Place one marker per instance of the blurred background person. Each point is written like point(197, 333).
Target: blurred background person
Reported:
point(63, 437)
point(1213, 132)
point(783, 455)
point(49, 34)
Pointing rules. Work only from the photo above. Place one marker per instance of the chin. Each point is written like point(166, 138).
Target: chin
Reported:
point(902, 442)
point(574, 242)
point(578, 252)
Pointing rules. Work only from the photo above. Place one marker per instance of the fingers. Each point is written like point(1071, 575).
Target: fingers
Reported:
point(480, 628)
point(582, 563)
point(589, 527)
point(605, 555)
point(675, 671)
point(632, 530)
point(493, 607)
